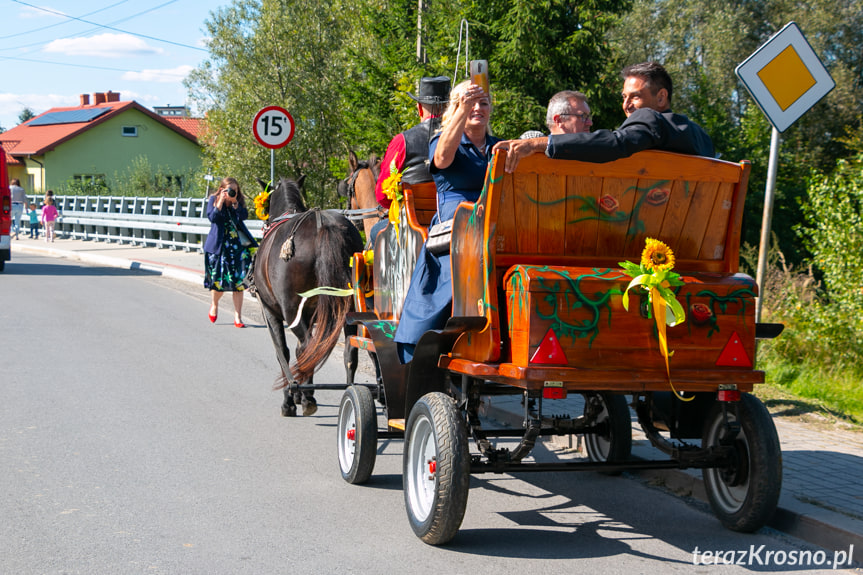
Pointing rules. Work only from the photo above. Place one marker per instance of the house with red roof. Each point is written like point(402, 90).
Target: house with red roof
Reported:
point(94, 141)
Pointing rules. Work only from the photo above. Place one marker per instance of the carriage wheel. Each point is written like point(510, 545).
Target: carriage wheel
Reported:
point(745, 493)
point(357, 434)
point(615, 444)
point(436, 466)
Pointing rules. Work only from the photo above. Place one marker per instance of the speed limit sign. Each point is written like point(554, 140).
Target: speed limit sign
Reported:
point(273, 127)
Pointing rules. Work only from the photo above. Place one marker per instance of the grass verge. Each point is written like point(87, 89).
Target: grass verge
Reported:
point(803, 390)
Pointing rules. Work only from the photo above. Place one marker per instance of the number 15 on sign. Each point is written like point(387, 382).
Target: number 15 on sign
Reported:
point(273, 127)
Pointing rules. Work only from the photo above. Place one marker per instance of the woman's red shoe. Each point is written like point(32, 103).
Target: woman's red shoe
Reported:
point(212, 317)
point(239, 324)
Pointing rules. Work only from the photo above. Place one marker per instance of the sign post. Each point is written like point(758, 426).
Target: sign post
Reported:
point(273, 128)
point(786, 78)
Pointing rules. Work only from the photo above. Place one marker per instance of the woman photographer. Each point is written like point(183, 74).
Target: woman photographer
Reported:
point(227, 252)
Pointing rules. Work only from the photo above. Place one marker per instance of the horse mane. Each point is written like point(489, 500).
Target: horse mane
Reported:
point(287, 198)
point(373, 164)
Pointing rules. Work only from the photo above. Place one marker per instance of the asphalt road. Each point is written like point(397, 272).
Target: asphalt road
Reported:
point(136, 437)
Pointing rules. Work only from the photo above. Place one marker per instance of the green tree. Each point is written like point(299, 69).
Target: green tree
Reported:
point(273, 52)
point(26, 114)
point(344, 71)
point(534, 49)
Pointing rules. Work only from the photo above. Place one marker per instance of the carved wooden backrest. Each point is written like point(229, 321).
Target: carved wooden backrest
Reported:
point(397, 248)
point(570, 213)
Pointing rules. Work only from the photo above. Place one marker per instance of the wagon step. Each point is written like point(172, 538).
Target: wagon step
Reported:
point(768, 330)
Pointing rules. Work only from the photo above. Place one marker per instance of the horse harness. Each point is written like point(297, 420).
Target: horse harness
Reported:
point(287, 250)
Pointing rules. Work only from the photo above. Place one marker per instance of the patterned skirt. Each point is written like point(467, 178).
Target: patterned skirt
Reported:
point(227, 271)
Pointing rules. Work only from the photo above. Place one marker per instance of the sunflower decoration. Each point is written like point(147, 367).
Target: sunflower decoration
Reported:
point(262, 205)
point(657, 257)
point(655, 275)
point(392, 189)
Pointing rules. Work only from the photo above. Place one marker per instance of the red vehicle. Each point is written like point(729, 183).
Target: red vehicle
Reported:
point(5, 213)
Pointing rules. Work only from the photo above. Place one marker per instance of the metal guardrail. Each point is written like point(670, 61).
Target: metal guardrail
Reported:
point(174, 223)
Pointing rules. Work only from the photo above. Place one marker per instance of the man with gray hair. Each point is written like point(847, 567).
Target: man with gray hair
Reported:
point(568, 113)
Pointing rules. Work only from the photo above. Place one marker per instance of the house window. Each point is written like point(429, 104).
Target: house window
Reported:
point(95, 179)
point(90, 184)
point(130, 131)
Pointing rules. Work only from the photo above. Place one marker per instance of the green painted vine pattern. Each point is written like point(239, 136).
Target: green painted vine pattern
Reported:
point(571, 296)
point(607, 213)
point(742, 297)
point(387, 328)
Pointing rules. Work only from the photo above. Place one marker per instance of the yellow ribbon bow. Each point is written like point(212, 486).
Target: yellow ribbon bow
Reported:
point(655, 275)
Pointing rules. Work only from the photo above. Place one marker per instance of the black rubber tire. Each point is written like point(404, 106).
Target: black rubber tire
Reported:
point(436, 499)
point(357, 417)
point(616, 444)
point(744, 495)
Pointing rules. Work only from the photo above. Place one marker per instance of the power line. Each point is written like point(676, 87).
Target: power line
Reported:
point(61, 23)
point(89, 67)
point(81, 34)
point(50, 11)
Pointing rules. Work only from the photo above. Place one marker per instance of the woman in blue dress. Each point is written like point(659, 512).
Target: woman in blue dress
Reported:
point(227, 253)
point(459, 155)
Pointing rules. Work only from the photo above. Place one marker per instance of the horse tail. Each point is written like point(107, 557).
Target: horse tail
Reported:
point(336, 243)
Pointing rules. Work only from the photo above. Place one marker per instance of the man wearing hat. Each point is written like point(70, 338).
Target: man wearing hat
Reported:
point(408, 152)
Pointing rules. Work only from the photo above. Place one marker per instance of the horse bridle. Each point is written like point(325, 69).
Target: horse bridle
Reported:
point(352, 178)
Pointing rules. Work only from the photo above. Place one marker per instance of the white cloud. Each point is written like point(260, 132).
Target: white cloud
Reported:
point(104, 45)
point(12, 104)
point(170, 75)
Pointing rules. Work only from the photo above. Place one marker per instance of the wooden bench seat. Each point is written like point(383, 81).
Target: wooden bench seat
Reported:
point(585, 216)
point(420, 203)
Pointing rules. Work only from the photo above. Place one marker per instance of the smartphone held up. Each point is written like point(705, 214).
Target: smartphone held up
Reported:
point(479, 74)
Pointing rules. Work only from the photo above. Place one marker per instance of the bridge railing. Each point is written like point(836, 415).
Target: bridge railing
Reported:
point(174, 223)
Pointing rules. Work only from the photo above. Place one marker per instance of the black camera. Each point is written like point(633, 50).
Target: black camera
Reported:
point(232, 193)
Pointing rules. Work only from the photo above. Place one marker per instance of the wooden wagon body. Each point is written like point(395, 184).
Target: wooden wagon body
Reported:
point(537, 311)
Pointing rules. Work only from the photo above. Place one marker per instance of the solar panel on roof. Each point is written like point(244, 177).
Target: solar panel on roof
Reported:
point(69, 117)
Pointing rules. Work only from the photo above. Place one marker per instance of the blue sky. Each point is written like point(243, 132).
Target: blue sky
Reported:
point(52, 51)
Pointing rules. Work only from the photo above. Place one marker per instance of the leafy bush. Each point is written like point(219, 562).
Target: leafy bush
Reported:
point(833, 233)
point(140, 179)
point(820, 353)
point(84, 187)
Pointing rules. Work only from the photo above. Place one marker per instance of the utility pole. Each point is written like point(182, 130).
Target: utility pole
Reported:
point(421, 54)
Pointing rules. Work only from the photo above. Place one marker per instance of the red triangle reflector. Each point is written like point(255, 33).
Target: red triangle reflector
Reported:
point(549, 350)
point(733, 355)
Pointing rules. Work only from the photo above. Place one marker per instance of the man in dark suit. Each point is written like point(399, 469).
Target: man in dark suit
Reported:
point(650, 125)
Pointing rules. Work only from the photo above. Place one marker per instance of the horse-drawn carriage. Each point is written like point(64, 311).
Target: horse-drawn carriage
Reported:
point(538, 313)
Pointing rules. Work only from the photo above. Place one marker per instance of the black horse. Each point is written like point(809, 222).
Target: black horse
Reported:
point(302, 250)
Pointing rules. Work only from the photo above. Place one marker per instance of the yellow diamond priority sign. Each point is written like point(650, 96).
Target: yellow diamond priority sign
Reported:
point(785, 77)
